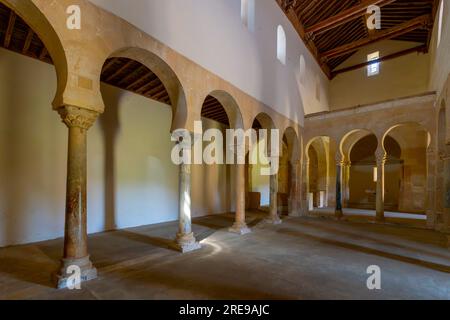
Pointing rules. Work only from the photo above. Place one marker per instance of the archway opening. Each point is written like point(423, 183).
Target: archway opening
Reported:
point(362, 177)
point(407, 164)
point(132, 144)
point(213, 181)
point(33, 140)
point(258, 185)
point(318, 168)
point(288, 173)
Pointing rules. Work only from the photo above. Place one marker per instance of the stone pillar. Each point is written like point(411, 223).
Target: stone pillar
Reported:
point(273, 215)
point(307, 187)
point(346, 183)
point(76, 255)
point(431, 186)
point(339, 164)
point(381, 161)
point(185, 240)
point(240, 227)
point(295, 189)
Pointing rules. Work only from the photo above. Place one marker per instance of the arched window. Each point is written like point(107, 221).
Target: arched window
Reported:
point(440, 22)
point(248, 13)
point(318, 88)
point(281, 45)
point(302, 69)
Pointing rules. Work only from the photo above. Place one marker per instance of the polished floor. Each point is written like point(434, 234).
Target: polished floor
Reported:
point(303, 258)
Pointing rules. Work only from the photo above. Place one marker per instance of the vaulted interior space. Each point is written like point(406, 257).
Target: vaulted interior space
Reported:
point(224, 149)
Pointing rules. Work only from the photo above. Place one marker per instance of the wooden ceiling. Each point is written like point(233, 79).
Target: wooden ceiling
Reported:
point(133, 76)
point(16, 35)
point(213, 109)
point(333, 30)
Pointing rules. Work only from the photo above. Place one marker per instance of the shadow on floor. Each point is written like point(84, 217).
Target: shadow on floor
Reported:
point(366, 250)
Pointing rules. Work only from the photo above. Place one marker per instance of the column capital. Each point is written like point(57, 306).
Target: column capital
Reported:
point(77, 117)
point(339, 158)
point(381, 156)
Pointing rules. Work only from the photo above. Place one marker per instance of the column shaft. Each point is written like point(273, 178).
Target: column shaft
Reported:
point(185, 240)
point(75, 233)
point(381, 160)
point(273, 211)
point(240, 225)
point(338, 210)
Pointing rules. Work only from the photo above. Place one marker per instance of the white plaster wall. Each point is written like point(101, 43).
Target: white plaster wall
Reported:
point(440, 55)
point(211, 33)
point(401, 77)
point(131, 179)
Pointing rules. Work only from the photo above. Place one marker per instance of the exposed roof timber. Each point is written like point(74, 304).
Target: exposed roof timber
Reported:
point(287, 6)
point(345, 16)
point(421, 48)
point(10, 29)
point(416, 23)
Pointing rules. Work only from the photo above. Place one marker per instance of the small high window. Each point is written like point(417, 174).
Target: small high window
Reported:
point(302, 69)
point(374, 68)
point(281, 45)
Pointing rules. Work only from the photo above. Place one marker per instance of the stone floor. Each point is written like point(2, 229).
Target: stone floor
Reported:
point(303, 258)
point(363, 215)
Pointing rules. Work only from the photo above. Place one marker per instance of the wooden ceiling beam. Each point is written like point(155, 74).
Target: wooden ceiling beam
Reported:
point(345, 16)
point(43, 53)
point(122, 69)
point(298, 26)
point(419, 22)
point(28, 40)
point(10, 29)
point(421, 48)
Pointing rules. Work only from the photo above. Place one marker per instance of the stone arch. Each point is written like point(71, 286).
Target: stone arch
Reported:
point(43, 28)
point(231, 108)
point(349, 140)
point(168, 78)
point(417, 125)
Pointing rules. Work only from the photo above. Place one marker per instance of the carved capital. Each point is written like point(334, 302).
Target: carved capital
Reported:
point(381, 156)
point(77, 117)
point(340, 161)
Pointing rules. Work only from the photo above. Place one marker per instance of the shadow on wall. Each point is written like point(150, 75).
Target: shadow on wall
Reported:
point(109, 122)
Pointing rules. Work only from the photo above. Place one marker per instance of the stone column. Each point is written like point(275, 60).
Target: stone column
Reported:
point(381, 161)
point(307, 187)
point(273, 213)
point(339, 164)
point(185, 240)
point(346, 183)
point(295, 195)
point(76, 255)
point(240, 227)
point(431, 186)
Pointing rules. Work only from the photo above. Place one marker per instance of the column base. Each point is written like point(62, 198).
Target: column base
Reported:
point(240, 228)
point(275, 220)
point(88, 272)
point(380, 219)
point(186, 243)
point(338, 214)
